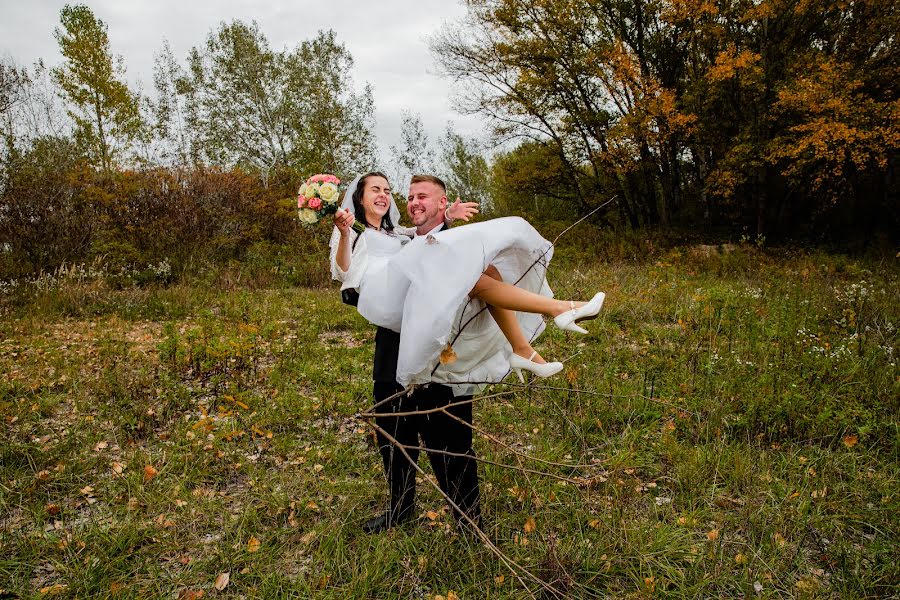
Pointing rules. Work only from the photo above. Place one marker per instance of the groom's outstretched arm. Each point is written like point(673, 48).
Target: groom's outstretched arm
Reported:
point(460, 210)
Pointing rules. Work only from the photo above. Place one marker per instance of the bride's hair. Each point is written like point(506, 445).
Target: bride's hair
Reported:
point(358, 209)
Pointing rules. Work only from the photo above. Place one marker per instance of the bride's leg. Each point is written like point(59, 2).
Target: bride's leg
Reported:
point(512, 331)
point(509, 324)
point(503, 295)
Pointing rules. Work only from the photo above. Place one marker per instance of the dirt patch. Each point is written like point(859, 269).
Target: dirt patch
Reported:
point(340, 338)
point(707, 250)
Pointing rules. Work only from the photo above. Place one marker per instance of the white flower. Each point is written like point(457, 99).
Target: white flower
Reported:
point(302, 191)
point(328, 192)
point(308, 216)
point(311, 189)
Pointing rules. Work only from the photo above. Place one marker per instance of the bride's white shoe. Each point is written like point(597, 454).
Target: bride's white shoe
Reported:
point(567, 320)
point(517, 363)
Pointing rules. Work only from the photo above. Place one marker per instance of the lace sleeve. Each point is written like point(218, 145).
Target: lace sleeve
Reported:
point(336, 272)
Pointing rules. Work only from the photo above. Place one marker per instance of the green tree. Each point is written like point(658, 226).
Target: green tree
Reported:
point(13, 81)
point(171, 112)
point(104, 110)
point(465, 170)
point(333, 124)
point(532, 180)
point(414, 154)
point(261, 109)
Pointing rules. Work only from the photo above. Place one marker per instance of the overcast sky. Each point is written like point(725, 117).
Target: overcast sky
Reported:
point(387, 40)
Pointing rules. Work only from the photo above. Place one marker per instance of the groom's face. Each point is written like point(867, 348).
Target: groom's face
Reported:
point(425, 204)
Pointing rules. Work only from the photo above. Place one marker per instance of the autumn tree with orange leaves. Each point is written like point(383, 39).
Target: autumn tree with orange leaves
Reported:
point(767, 114)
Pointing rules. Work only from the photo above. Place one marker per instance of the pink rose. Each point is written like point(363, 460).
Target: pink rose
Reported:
point(315, 203)
point(301, 201)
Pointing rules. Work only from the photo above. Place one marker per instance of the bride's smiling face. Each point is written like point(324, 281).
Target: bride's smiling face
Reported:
point(376, 199)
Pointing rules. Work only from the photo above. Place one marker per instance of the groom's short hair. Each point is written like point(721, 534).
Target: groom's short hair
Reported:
point(430, 179)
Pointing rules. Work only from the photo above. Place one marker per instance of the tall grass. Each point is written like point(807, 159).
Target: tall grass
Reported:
point(731, 423)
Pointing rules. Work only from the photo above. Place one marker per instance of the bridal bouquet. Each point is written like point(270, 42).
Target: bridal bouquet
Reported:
point(319, 198)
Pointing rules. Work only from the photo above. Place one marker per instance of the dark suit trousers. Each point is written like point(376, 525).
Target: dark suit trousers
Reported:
point(456, 475)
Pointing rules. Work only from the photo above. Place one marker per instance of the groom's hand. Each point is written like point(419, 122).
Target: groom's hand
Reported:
point(462, 210)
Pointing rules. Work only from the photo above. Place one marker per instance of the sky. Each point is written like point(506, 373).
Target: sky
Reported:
point(388, 43)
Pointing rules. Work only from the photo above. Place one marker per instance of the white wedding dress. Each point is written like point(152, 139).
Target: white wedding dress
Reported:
point(420, 288)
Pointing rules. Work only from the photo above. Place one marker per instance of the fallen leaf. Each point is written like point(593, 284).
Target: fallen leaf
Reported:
point(117, 468)
point(530, 525)
point(149, 473)
point(222, 580)
point(87, 490)
point(116, 587)
point(499, 579)
point(308, 538)
point(712, 535)
point(740, 558)
point(100, 446)
point(164, 521)
point(851, 440)
point(253, 544)
point(52, 590)
point(190, 594)
point(451, 595)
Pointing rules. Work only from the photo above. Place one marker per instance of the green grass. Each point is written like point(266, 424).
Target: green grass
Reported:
point(738, 409)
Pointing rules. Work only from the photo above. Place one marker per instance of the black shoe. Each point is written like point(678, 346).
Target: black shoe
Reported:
point(383, 522)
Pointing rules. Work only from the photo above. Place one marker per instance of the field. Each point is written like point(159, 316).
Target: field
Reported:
point(728, 429)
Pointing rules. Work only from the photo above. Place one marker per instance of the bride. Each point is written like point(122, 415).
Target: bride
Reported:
point(416, 280)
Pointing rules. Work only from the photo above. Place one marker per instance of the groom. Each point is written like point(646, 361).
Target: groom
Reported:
point(456, 472)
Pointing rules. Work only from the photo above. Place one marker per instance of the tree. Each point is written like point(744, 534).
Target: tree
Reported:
point(31, 111)
point(675, 104)
point(13, 81)
point(532, 180)
point(414, 154)
point(171, 112)
point(333, 123)
point(465, 169)
point(574, 74)
point(254, 107)
point(104, 110)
